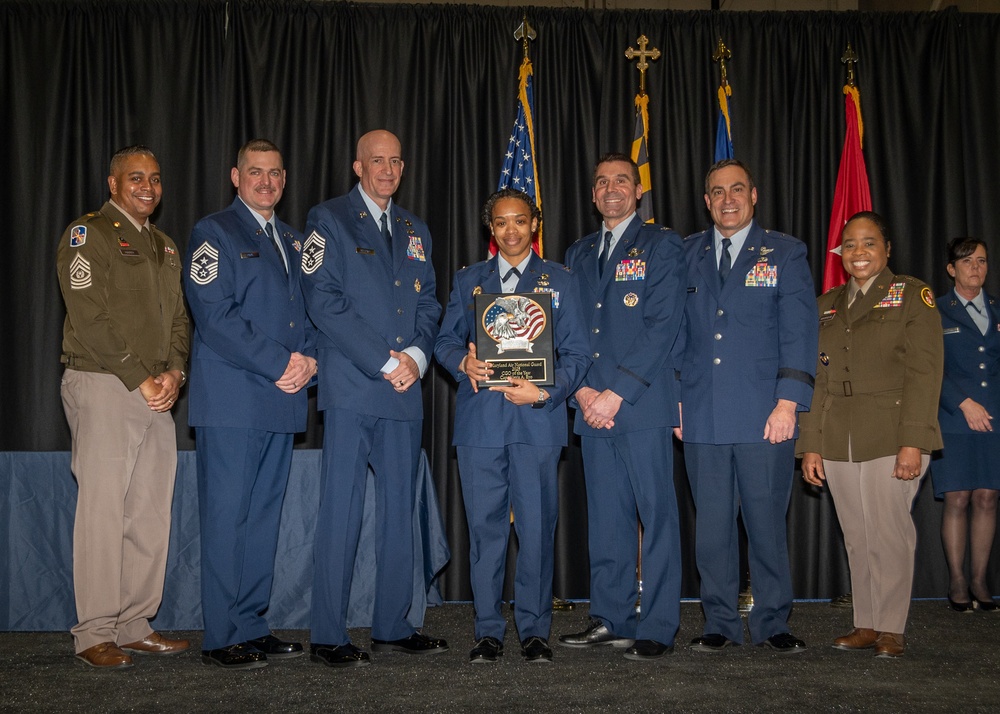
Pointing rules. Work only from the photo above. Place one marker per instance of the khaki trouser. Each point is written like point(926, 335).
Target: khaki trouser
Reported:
point(124, 461)
point(874, 512)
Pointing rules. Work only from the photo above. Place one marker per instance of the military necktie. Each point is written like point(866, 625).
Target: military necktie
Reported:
point(385, 231)
point(602, 261)
point(274, 244)
point(726, 263)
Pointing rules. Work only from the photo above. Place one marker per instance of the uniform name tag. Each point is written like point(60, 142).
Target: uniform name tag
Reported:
point(951, 330)
point(130, 252)
point(253, 254)
point(364, 251)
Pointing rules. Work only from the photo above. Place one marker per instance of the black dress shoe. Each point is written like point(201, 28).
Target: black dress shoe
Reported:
point(273, 647)
point(339, 655)
point(488, 649)
point(536, 649)
point(417, 643)
point(712, 642)
point(597, 633)
point(240, 656)
point(965, 607)
point(648, 649)
point(785, 643)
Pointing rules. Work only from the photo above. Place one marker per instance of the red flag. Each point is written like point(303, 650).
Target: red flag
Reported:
point(852, 193)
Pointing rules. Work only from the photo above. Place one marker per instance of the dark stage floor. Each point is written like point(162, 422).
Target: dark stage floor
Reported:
point(951, 665)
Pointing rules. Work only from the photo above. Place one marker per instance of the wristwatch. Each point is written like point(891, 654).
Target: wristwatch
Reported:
point(540, 402)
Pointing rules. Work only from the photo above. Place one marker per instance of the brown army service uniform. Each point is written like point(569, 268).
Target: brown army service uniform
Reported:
point(125, 321)
point(878, 380)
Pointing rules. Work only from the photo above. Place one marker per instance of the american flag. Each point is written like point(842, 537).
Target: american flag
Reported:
point(519, 166)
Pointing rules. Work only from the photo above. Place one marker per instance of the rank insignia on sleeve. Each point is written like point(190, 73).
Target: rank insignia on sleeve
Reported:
point(312, 253)
point(416, 285)
point(205, 264)
point(77, 236)
point(79, 273)
point(631, 300)
point(415, 249)
point(927, 296)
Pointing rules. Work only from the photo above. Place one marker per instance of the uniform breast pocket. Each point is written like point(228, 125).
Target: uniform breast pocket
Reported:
point(132, 273)
point(756, 307)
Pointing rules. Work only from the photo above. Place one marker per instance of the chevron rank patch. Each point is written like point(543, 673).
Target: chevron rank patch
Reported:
point(79, 273)
point(205, 264)
point(313, 251)
point(77, 236)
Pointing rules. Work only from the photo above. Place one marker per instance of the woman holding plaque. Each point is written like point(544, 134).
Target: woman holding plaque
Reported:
point(967, 476)
point(872, 425)
point(509, 436)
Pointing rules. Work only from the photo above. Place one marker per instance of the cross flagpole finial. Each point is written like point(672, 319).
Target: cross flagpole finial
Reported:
point(722, 53)
point(850, 58)
point(643, 54)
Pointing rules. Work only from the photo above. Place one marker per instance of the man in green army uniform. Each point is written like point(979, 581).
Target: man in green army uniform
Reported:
point(125, 347)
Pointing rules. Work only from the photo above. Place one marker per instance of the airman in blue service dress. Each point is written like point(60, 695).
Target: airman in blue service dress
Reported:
point(250, 328)
point(971, 371)
point(748, 342)
point(508, 454)
point(368, 294)
point(633, 312)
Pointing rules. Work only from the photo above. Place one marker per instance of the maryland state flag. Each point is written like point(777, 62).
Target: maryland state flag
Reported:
point(640, 155)
point(520, 171)
point(852, 193)
point(723, 127)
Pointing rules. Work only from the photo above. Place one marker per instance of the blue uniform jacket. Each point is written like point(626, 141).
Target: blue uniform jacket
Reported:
point(365, 303)
point(487, 419)
point(971, 362)
point(633, 314)
point(249, 317)
point(750, 343)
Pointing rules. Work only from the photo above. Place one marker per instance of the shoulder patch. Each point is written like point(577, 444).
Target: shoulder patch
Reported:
point(77, 236)
point(205, 264)
point(79, 273)
point(927, 296)
point(313, 251)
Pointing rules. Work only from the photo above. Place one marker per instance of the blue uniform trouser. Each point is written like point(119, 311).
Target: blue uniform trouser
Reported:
point(352, 442)
point(242, 475)
point(524, 477)
point(630, 477)
point(756, 478)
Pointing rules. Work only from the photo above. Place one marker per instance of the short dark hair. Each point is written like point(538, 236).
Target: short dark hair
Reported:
point(253, 145)
point(729, 162)
point(487, 212)
point(883, 227)
point(123, 154)
point(618, 156)
point(963, 247)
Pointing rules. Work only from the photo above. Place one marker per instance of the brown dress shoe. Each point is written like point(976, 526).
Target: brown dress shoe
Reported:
point(155, 643)
point(860, 638)
point(890, 644)
point(107, 655)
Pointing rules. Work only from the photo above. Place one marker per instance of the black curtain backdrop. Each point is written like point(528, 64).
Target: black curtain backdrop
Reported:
point(195, 80)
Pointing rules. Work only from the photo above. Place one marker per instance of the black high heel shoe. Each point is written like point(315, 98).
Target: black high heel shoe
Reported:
point(985, 605)
point(964, 607)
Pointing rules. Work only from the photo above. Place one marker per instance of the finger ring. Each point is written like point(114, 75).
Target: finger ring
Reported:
point(400, 383)
point(170, 401)
point(295, 384)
